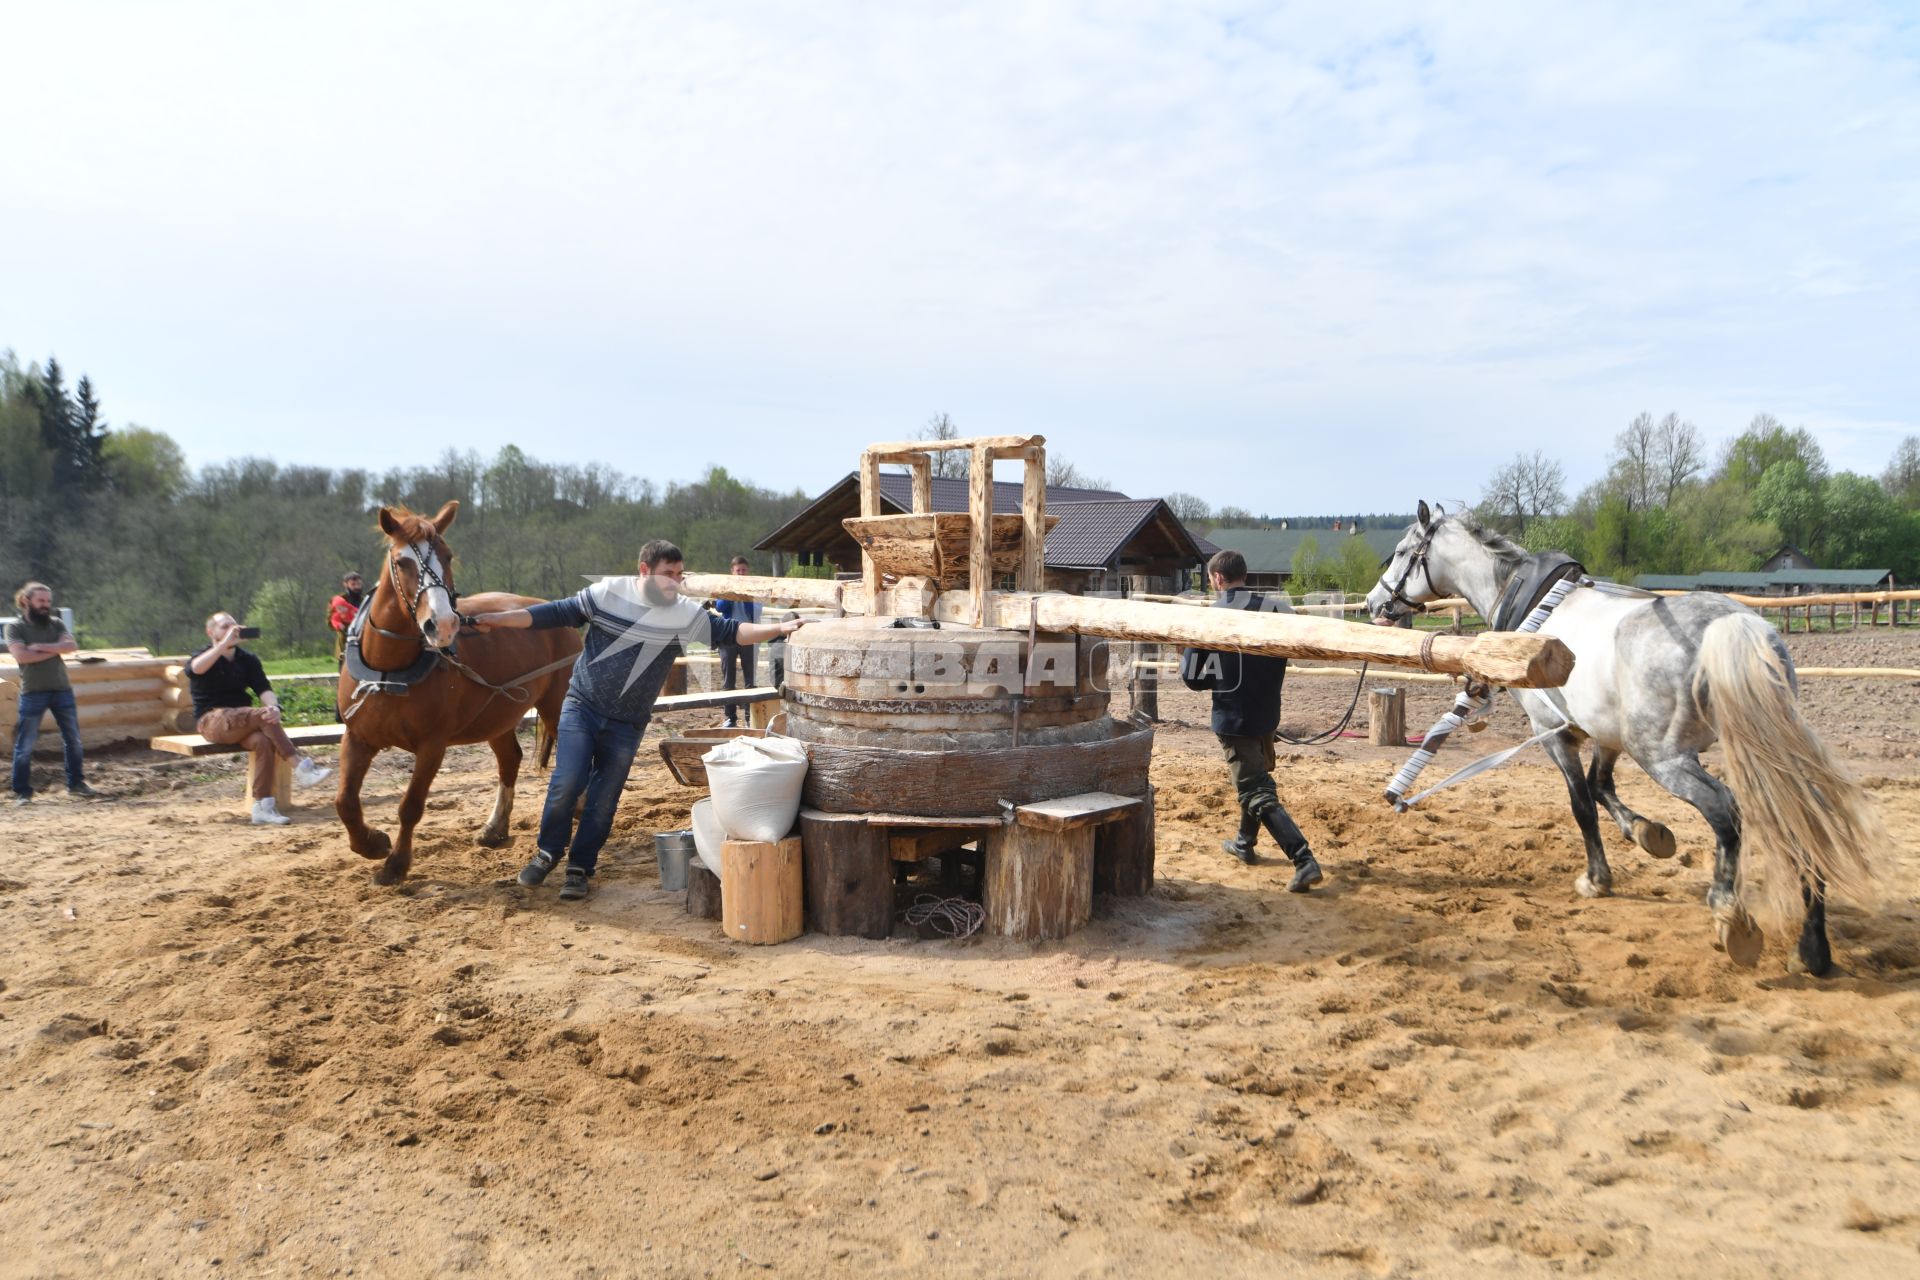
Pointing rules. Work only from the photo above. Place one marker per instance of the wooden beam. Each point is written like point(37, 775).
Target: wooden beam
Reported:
point(870, 506)
point(922, 468)
point(980, 554)
point(1033, 521)
point(900, 451)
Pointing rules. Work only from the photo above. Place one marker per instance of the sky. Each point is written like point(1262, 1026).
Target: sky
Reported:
point(1299, 258)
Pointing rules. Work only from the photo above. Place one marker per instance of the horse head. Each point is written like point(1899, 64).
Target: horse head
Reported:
point(420, 570)
point(1407, 581)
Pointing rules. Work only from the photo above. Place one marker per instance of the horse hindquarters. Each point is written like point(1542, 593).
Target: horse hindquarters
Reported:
point(1804, 820)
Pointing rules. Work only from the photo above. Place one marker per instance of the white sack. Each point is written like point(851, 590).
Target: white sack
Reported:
point(708, 834)
point(755, 783)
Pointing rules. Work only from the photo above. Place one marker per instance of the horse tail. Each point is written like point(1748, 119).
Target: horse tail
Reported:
point(1803, 817)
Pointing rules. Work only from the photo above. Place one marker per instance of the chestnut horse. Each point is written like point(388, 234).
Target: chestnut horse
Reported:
point(426, 696)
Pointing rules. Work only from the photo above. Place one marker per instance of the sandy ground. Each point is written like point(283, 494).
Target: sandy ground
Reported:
point(224, 1051)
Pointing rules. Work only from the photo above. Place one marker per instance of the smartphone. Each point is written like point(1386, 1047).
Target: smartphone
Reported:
point(249, 633)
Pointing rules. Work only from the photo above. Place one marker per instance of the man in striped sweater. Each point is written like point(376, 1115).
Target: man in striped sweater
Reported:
point(636, 627)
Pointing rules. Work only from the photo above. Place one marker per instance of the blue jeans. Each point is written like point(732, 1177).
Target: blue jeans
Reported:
point(592, 754)
point(66, 714)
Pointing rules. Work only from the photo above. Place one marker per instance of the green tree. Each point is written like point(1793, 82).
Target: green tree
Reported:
point(1862, 523)
point(1557, 533)
point(1765, 442)
point(1358, 567)
point(1901, 479)
point(142, 463)
point(1310, 570)
point(1789, 495)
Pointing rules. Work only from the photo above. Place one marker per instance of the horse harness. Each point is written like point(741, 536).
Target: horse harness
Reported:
point(1531, 594)
point(370, 681)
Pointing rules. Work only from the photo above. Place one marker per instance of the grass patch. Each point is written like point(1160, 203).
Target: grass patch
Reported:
point(317, 665)
point(306, 704)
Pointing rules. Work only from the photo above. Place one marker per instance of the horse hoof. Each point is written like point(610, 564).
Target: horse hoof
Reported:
point(1655, 838)
point(1737, 935)
point(375, 845)
point(1586, 888)
point(490, 839)
point(389, 874)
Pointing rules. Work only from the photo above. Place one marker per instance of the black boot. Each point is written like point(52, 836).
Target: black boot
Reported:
point(1306, 871)
point(1242, 846)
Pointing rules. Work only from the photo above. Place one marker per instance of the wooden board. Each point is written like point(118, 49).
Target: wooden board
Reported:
point(1065, 813)
point(682, 753)
point(192, 744)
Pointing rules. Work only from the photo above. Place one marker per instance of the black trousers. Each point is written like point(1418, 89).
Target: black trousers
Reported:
point(735, 660)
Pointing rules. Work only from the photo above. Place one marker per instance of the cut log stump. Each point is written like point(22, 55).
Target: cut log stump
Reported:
point(1123, 852)
point(1387, 717)
point(703, 891)
point(848, 873)
point(761, 898)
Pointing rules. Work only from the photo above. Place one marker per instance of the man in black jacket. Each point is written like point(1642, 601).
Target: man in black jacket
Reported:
point(1246, 712)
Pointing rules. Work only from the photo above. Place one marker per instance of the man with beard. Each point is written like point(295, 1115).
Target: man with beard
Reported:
point(340, 613)
point(38, 640)
point(636, 627)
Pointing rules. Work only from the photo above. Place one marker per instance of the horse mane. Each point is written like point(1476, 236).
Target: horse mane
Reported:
point(1508, 552)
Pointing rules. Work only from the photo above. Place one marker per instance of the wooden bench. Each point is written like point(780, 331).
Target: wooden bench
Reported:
point(303, 735)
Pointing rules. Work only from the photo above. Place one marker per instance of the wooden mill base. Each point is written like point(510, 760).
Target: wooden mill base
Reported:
point(1042, 864)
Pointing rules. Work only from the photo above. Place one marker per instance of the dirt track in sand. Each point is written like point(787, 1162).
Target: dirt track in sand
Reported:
point(235, 1048)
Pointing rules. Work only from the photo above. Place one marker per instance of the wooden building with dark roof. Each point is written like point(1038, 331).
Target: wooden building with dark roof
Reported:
point(1104, 541)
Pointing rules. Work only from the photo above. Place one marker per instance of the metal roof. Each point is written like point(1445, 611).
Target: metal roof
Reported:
point(1732, 580)
point(1092, 535)
point(1272, 550)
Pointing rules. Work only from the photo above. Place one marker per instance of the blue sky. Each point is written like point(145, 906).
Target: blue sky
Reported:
point(1313, 257)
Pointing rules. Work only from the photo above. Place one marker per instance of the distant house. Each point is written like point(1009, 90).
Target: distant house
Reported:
point(1777, 582)
point(1104, 541)
point(1270, 552)
point(1787, 557)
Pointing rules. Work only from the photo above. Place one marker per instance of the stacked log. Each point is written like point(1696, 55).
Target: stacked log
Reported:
point(122, 697)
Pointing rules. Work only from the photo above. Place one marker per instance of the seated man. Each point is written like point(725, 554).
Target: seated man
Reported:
point(221, 677)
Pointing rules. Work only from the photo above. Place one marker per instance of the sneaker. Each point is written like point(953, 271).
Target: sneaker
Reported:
point(21, 801)
point(1243, 852)
point(576, 887)
point(1306, 873)
point(84, 791)
point(266, 815)
point(535, 871)
point(309, 773)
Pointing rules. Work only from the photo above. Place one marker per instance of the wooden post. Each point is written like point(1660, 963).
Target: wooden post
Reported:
point(760, 890)
point(1123, 853)
point(870, 506)
point(282, 784)
point(703, 891)
point(1039, 882)
point(1145, 683)
point(760, 714)
point(1387, 717)
point(922, 483)
point(849, 875)
point(980, 550)
point(1033, 522)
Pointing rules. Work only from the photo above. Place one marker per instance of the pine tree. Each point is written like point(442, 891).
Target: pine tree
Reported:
point(88, 437)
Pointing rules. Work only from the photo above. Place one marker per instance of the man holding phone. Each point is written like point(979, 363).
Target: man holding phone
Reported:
point(222, 678)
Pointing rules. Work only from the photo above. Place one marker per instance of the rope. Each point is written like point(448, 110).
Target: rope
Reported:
point(954, 917)
point(1339, 728)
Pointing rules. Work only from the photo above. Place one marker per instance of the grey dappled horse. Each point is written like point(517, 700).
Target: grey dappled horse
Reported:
point(1660, 678)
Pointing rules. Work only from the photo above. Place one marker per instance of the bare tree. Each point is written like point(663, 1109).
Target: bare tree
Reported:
point(1187, 509)
point(1635, 469)
point(1543, 484)
point(1503, 502)
point(1062, 474)
point(1679, 455)
point(1901, 479)
point(949, 463)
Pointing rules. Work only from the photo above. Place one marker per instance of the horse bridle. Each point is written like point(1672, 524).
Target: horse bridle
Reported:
point(429, 578)
point(1397, 593)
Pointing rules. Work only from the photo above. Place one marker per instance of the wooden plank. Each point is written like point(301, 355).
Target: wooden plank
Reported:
point(917, 844)
point(713, 698)
point(192, 744)
point(901, 451)
point(1066, 813)
point(976, 821)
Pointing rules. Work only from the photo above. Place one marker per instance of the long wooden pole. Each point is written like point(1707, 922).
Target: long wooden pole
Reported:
point(1499, 657)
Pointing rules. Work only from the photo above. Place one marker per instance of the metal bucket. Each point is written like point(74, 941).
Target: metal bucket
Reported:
point(673, 850)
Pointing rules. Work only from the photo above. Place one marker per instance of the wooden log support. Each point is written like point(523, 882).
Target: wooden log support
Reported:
point(703, 891)
point(1033, 521)
point(282, 787)
point(1123, 852)
point(848, 875)
point(870, 506)
point(980, 556)
point(761, 899)
point(1038, 882)
point(1387, 717)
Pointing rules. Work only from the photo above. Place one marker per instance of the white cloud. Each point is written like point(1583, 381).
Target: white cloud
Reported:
point(1326, 237)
